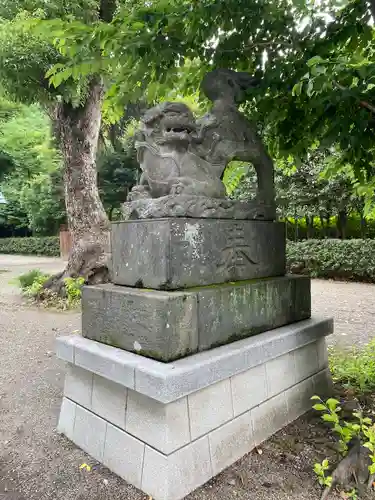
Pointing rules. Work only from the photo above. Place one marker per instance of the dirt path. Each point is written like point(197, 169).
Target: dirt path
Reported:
point(38, 464)
point(351, 304)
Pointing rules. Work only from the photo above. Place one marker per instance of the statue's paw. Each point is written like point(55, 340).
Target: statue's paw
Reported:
point(177, 188)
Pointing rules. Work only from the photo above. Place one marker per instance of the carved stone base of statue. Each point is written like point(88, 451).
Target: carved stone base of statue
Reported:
point(197, 207)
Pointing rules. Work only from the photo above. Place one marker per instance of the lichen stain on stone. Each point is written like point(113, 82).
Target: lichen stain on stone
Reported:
point(137, 346)
point(193, 236)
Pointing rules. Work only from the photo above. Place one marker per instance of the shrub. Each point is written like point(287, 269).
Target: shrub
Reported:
point(338, 259)
point(48, 246)
point(31, 284)
point(354, 368)
point(28, 279)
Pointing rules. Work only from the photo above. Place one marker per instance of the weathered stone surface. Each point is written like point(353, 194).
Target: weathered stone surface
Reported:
point(160, 325)
point(180, 253)
point(171, 325)
point(230, 312)
point(197, 207)
point(179, 155)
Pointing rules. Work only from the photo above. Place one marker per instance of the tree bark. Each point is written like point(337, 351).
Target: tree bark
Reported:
point(78, 132)
point(363, 226)
point(309, 226)
point(341, 224)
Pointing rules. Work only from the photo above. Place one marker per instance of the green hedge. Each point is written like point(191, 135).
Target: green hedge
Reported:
point(48, 245)
point(341, 259)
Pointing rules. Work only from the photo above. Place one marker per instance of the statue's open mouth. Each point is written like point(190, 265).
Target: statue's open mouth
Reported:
point(178, 130)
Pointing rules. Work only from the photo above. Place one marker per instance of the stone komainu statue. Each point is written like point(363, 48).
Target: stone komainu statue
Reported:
point(183, 160)
point(228, 135)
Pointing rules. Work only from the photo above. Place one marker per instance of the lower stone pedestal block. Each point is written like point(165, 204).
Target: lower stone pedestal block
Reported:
point(169, 428)
point(170, 325)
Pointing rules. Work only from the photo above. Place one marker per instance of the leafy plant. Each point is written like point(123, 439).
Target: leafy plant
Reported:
point(32, 286)
point(360, 427)
point(321, 471)
point(73, 288)
point(27, 280)
point(31, 283)
point(354, 368)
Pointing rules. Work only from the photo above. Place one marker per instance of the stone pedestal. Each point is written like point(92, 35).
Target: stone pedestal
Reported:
point(199, 349)
point(170, 254)
point(170, 325)
point(169, 428)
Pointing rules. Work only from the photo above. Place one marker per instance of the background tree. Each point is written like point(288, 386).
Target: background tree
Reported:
point(75, 109)
point(29, 171)
point(314, 59)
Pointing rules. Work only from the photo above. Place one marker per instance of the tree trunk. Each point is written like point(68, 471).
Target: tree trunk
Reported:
point(309, 226)
point(341, 224)
point(323, 231)
point(363, 226)
point(78, 133)
point(296, 233)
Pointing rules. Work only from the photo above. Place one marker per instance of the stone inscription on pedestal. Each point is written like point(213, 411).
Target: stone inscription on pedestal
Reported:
point(177, 253)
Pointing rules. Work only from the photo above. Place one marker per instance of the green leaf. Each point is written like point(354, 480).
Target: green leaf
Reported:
point(315, 398)
point(319, 407)
point(318, 469)
point(354, 82)
point(314, 61)
point(332, 403)
point(297, 89)
point(310, 88)
point(327, 417)
point(58, 78)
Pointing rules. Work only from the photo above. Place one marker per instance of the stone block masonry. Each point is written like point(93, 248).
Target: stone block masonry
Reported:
point(170, 325)
point(178, 253)
point(169, 428)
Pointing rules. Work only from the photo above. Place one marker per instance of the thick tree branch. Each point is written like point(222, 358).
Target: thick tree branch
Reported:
point(363, 104)
point(372, 8)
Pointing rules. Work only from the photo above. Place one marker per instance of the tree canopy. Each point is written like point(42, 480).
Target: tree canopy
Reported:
point(314, 61)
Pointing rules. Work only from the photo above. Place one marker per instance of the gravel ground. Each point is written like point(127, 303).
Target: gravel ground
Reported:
point(38, 464)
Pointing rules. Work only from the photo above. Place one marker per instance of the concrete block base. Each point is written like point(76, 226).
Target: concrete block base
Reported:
point(168, 428)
